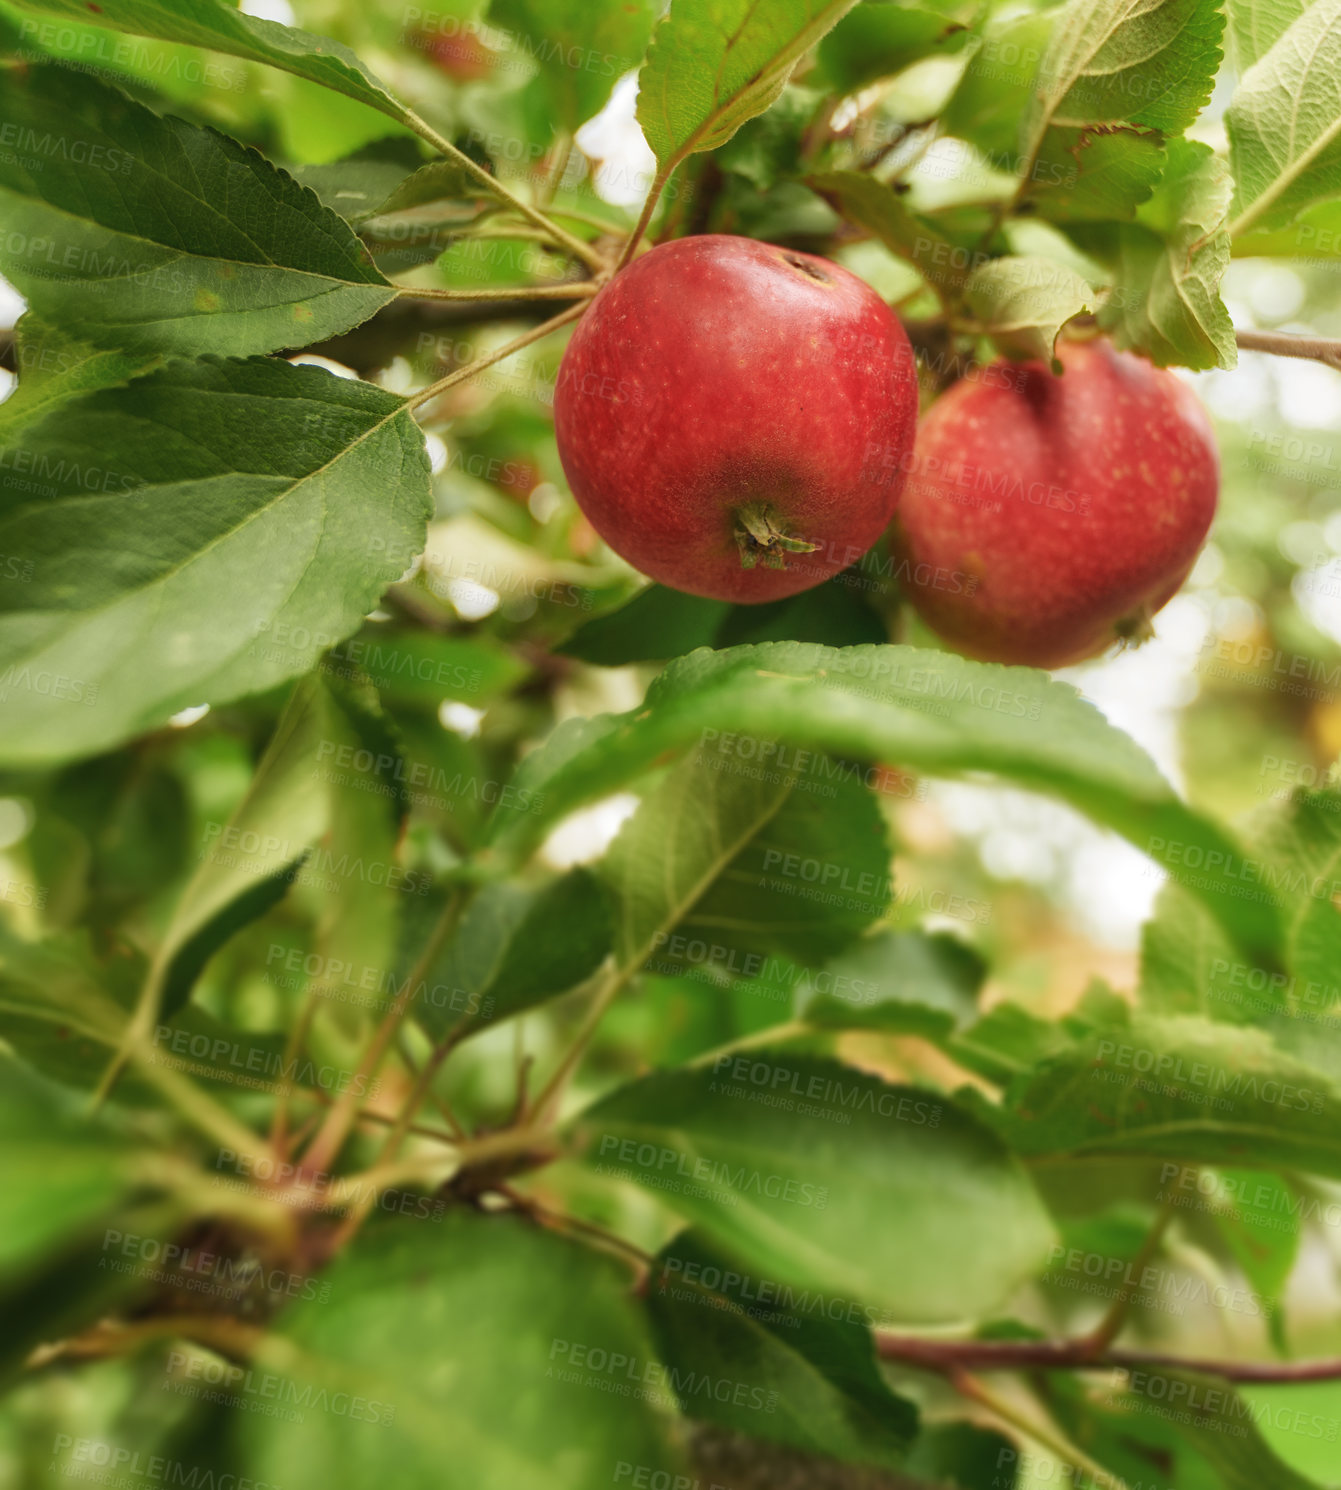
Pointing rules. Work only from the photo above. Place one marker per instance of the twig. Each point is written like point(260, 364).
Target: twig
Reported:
point(488, 360)
point(1077, 1355)
point(542, 1109)
point(1283, 344)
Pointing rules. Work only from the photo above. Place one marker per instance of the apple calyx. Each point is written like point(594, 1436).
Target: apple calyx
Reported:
point(762, 539)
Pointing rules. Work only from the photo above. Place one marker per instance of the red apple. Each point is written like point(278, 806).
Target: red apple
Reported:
point(1047, 516)
point(734, 418)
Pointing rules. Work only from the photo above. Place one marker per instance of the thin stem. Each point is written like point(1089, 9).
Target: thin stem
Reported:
point(644, 219)
point(576, 290)
point(488, 360)
point(542, 1109)
point(575, 246)
point(1077, 1355)
point(563, 152)
point(217, 1332)
point(1059, 1447)
point(561, 1220)
point(325, 1147)
point(279, 1124)
point(589, 218)
point(1283, 344)
point(1110, 1326)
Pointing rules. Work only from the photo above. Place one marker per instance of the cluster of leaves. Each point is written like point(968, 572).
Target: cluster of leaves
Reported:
point(263, 947)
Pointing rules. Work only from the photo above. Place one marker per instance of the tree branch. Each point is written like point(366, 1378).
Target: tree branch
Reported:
point(1283, 344)
point(951, 1356)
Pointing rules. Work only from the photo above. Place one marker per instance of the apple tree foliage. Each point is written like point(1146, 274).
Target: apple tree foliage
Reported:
point(355, 1128)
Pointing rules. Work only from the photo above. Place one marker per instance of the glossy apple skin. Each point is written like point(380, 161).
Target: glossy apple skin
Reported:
point(716, 372)
point(1046, 517)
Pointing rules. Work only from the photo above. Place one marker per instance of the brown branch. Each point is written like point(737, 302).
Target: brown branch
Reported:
point(952, 1356)
point(1283, 344)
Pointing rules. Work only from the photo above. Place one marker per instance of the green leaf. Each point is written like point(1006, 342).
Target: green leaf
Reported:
point(154, 235)
point(1023, 301)
point(713, 64)
point(806, 1360)
point(294, 800)
point(1255, 26)
point(747, 861)
point(1284, 123)
point(924, 710)
point(876, 41)
point(1177, 1087)
point(995, 90)
point(62, 1175)
point(874, 206)
point(441, 1334)
point(658, 623)
point(517, 945)
point(220, 27)
point(54, 366)
point(1199, 1431)
point(202, 534)
point(1099, 172)
point(387, 176)
point(1261, 1225)
point(1165, 300)
point(817, 1175)
point(899, 983)
point(582, 48)
point(1152, 64)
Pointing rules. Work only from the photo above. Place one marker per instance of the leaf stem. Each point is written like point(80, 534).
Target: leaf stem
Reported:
point(1283, 344)
point(1110, 1326)
point(575, 290)
point(1058, 1446)
point(574, 245)
point(1077, 1355)
point(542, 1109)
point(497, 355)
point(644, 219)
point(325, 1147)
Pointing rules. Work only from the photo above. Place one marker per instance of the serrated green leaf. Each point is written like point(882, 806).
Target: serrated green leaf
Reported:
point(713, 64)
point(220, 27)
point(926, 710)
point(1177, 1087)
point(832, 1179)
point(54, 366)
point(1284, 123)
point(202, 534)
point(1165, 301)
point(823, 1390)
point(153, 235)
point(437, 1335)
point(1023, 301)
point(1098, 172)
point(1150, 62)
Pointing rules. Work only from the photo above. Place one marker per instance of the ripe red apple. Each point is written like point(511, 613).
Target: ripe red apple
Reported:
point(1047, 516)
point(734, 418)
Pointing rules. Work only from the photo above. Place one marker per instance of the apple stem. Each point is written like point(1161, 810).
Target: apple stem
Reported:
point(1136, 628)
point(762, 539)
